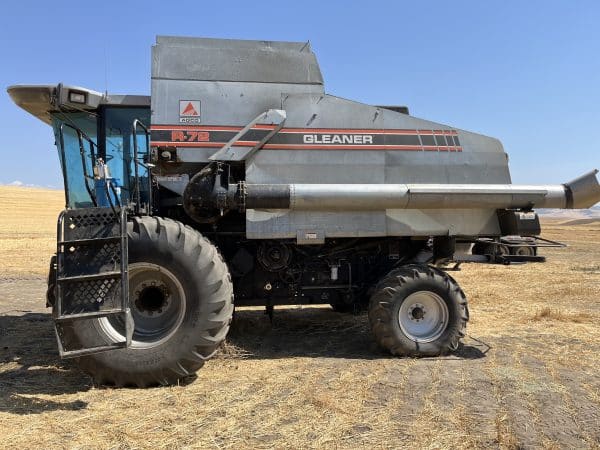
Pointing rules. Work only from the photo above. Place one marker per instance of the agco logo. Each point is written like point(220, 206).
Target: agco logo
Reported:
point(189, 111)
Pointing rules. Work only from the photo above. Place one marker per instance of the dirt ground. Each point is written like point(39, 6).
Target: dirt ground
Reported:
point(526, 377)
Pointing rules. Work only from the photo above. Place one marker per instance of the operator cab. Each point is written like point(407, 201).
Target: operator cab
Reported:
point(102, 141)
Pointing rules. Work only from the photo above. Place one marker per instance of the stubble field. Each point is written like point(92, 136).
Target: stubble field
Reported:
point(526, 377)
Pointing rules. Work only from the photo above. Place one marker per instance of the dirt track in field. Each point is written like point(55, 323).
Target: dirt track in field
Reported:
point(527, 376)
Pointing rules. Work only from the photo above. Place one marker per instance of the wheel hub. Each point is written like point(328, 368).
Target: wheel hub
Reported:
point(423, 316)
point(417, 312)
point(151, 298)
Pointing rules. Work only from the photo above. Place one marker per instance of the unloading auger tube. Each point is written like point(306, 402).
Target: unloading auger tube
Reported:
point(204, 192)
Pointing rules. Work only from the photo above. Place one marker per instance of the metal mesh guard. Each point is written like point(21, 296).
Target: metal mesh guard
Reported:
point(88, 259)
point(91, 295)
point(90, 223)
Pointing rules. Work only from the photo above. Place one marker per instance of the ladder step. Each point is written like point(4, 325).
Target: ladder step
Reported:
point(89, 315)
point(98, 239)
point(95, 276)
point(92, 350)
point(90, 241)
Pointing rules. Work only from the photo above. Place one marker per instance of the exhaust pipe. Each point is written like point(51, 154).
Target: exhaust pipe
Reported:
point(582, 192)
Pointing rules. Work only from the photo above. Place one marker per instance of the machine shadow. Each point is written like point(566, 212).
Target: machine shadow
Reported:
point(30, 367)
point(314, 332)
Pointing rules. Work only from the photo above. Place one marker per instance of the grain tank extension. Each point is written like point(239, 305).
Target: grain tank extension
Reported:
point(239, 177)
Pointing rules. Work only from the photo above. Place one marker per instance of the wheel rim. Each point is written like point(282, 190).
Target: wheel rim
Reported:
point(157, 302)
point(423, 316)
point(524, 251)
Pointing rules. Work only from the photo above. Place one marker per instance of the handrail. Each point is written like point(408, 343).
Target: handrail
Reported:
point(63, 164)
point(108, 186)
point(138, 123)
point(272, 117)
point(80, 139)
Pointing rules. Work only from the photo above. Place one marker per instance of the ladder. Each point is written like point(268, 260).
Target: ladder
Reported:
point(91, 277)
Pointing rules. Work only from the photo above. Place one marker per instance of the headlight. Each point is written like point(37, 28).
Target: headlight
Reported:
point(76, 97)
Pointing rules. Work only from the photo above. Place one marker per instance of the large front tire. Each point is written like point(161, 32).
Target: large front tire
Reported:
point(418, 310)
point(181, 298)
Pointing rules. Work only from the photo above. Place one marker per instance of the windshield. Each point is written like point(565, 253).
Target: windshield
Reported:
point(76, 139)
point(86, 139)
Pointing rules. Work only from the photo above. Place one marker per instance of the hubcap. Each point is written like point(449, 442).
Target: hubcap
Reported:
point(157, 302)
point(423, 316)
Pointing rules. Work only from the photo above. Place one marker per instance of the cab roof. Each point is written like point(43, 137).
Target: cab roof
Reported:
point(41, 100)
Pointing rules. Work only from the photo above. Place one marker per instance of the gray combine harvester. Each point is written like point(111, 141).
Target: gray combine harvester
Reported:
point(240, 175)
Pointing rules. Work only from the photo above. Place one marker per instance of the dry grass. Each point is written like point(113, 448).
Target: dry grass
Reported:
point(28, 228)
point(561, 316)
point(527, 376)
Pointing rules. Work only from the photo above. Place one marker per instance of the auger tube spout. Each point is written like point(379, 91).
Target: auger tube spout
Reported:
point(583, 192)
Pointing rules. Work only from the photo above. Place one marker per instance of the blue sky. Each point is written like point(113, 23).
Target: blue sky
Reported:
point(524, 72)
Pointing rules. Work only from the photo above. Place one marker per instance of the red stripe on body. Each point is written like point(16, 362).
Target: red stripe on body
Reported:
point(303, 130)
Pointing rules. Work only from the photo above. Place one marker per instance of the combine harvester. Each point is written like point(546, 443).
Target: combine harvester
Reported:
point(240, 175)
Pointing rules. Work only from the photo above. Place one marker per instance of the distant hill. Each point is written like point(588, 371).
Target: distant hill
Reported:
point(18, 183)
point(577, 214)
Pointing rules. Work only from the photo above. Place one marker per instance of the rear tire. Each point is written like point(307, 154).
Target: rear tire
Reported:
point(181, 299)
point(523, 251)
point(490, 249)
point(503, 250)
point(418, 310)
